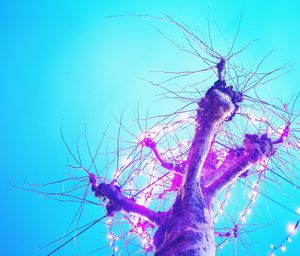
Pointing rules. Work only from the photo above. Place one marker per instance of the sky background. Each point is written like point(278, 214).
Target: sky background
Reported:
point(65, 62)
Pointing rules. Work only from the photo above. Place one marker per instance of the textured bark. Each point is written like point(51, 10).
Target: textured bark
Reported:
point(187, 229)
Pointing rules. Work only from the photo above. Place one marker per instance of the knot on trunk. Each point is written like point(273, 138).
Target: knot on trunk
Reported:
point(220, 102)
point(235, 96)
point(113, 194)
point(258, 147)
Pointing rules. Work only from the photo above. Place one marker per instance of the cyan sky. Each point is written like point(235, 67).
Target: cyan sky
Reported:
point(64, 61)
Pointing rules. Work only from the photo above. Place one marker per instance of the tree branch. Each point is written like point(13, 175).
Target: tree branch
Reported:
point(149, 143)
point(118, 202)
point(214, 174)
point(255, 149)
point(218, 105)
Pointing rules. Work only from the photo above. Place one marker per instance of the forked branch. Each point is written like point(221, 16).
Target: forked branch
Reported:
point(118, 202)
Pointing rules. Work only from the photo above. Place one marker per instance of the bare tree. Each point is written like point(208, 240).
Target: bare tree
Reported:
point(169, 184)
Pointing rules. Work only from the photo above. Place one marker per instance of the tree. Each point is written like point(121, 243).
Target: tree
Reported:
point(170, 184)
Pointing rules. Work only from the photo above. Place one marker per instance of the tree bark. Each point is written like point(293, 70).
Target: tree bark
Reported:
point(187, 230)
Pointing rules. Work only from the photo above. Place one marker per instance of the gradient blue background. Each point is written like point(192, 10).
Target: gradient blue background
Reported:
point(64, 61)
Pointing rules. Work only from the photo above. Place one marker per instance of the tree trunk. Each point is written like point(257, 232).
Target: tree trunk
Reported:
point(188, 228)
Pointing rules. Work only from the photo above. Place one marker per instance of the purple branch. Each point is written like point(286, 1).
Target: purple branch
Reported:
point(149, 143)
point(216, 107)
point(213, 175)
point(255, 149)
point(118, 202)
point(284, 134)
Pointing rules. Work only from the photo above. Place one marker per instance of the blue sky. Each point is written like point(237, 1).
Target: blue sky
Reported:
point(64, 61)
